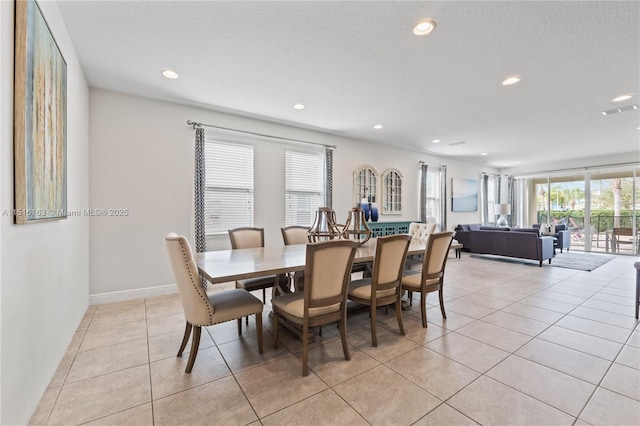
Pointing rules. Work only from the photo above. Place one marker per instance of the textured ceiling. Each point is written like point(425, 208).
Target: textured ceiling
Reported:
point(355, 64)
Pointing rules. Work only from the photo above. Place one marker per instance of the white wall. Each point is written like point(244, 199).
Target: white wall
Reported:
point(44, 267)
point(142, 159)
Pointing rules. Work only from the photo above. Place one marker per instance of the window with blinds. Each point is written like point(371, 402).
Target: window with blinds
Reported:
point(304, 186)
point(433, 195)
point(229, 186)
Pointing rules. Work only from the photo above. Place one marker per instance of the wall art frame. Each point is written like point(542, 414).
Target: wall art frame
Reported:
point(40, 119)
point(464, 195)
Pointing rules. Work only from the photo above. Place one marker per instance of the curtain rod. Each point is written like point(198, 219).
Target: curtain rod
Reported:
point(195, 124)
point(578, 169)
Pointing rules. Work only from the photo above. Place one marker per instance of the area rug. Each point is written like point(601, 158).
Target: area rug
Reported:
point(570, 260)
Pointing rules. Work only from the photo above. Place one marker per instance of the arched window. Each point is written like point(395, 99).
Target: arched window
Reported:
point(365, 184)
point(392, 191)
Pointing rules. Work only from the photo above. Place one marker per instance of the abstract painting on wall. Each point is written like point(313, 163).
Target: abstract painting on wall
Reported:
point(464, 195)
point(40, 119)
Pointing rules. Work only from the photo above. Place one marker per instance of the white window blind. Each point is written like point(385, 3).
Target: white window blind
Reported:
point(304, 186)
point(229, 193)
point(433, 195)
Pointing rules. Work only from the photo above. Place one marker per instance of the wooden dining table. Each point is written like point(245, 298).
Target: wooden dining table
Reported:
point(230, 265)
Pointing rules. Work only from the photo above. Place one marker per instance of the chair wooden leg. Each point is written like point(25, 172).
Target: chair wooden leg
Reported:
point(343, 337)
point(410, 295)
point(240, 326)
point(264, 296)
point(441, 297)
point(374, 331)
point(423, 308)
point(319, 330)
point(185, 339)
point(275, 329)
point(195, 344)
point(247, 320)
point(259, 330)
point(399, 315)
point(305, 350)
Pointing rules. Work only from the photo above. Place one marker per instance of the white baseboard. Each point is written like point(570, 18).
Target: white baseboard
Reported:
point(120, 296)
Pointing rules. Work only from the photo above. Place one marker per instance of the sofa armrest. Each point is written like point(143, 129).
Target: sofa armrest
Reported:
point(546, 248)
point(564, 239)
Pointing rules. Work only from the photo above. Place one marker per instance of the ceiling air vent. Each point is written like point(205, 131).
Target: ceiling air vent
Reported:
point(621, 109)
point(456, 143)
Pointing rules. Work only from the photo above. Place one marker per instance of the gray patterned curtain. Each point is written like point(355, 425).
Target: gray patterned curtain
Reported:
point(328, 177)
point(484, 199)
point(443, 197)
point(199, 183)
point(423, 193)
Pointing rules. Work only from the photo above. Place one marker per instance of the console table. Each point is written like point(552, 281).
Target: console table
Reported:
point(380, 229)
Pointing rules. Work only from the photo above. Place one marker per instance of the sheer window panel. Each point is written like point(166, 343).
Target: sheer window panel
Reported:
point(304, 186)
point(229, 186)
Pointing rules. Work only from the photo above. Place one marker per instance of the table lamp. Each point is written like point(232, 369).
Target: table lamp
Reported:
point(502, 210)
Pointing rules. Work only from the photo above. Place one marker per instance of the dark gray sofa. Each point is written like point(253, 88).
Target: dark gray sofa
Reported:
point(523, 243)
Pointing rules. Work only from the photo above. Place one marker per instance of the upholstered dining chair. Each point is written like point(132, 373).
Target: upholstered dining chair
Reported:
point(296, 235)
point(202, 309)
point(383, 288)
point(419, 231)
point(431, 278)
point(243, 238)
point(324, 299)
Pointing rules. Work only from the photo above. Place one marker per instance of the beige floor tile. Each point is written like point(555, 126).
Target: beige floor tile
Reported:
point(287, 339)
point(273, 386)
point(630, 357)
point(489, 402)
point(453, 322)
point(96, 362)
point(493, 335)
point(101, 396)
point(486, 300)
point(435, 373)
point(612, 298)
point(166, 324)
point(112, 335)
point(605, 317)
point(624, 380)
point(444, 415)
point(534, 313)
point(167, 304)
point(557, 389)
point(622, 292)
point(516, 323)
point(594, 328)
point(469, 309)
point(574, 363)
point(167, 345)
point(121, 314)
point(608, 408)
point(382, 396)
point(86, 319)
point(573, 291)
point(168, 376)
point(243, 353)
point(62, 371)
point(581, 342)
point(420, 335)
point(228, 331)
point(139, 416)
point(327, 362)
point(469, 352)
point(505, 294)
point(390, 344)
point(219, 402)
point(610, 307)
point(76, 341)
point(634, 340)
point(325, 408)
point(552, 305)
point(560, 297)
point(48, 400)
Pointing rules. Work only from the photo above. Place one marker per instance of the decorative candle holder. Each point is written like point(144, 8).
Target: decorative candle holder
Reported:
point(356, 226)
point(324, 226)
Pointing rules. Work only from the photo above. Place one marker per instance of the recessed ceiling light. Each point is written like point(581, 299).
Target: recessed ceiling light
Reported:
point(484, 153)
point(298, 106)
point(170, 74)
point(424, 27)
point(511, 80)
point(517, 162)
point(621, 98)
point(378, 126)
point(435, 141)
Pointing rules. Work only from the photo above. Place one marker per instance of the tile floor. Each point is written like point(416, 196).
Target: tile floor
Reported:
point(521, 345)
